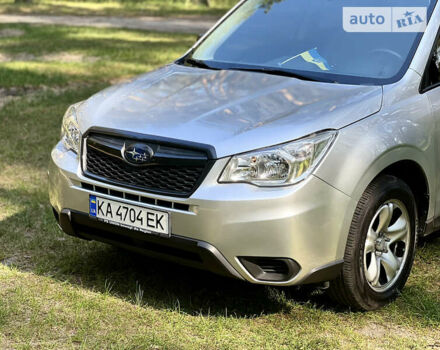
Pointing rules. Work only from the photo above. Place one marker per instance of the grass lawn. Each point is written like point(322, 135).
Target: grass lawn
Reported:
point(118, 8)
point(58, 292)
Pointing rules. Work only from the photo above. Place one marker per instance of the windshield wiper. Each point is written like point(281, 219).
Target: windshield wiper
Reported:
point(197, 63)
point(268, 70)
point(275, 71)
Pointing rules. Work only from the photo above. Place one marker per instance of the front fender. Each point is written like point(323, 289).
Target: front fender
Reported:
point(403, 131)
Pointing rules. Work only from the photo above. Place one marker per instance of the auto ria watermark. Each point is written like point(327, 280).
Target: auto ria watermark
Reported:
point(385, 19)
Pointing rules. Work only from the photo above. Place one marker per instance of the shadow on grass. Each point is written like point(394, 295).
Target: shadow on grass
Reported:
point(32, 232)
point(432, 238)
point(116, 44)
point(31, 241)
point(126, 9)
point(84, 54)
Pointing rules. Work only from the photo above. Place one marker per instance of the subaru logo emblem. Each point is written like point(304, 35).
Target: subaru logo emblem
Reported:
point(137, 153)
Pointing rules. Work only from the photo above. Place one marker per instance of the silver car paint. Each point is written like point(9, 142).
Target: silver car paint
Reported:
point(237, 219)
point(403, 130)
point(237, 112)
point(230, 110)
point(407, 128)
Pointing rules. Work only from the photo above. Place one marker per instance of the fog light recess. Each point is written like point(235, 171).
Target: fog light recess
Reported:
point(270, 269)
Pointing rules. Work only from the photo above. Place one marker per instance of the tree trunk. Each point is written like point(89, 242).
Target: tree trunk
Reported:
point(204, 2)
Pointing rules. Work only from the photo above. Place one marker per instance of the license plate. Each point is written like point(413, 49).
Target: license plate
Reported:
point(130, 216)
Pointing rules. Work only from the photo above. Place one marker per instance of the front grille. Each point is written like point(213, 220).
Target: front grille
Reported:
point(173, 170)
point(164, 178)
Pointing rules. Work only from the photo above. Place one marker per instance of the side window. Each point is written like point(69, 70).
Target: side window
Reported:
point(432, 74)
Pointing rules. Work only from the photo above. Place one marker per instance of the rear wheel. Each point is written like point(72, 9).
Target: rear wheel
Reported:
point(380, 247)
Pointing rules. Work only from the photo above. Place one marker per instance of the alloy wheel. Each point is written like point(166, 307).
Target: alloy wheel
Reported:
point(386, 245)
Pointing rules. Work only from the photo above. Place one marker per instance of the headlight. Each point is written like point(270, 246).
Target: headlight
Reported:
point(70, 134)
point(285, 164)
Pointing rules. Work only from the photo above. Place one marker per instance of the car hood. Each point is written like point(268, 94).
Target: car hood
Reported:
point(234, 111)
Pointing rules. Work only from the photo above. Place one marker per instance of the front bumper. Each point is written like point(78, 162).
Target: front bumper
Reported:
point(306, 223)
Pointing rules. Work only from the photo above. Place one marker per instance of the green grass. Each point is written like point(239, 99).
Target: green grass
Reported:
point(57, 292)
point(77, 55)
point(119, 8)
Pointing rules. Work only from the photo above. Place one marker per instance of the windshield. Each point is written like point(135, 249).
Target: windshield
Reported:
point(307, 39)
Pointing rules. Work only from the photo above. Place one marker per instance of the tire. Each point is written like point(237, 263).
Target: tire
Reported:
point(370, 277)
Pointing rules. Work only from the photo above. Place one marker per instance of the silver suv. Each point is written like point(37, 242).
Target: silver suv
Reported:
point(280, 150)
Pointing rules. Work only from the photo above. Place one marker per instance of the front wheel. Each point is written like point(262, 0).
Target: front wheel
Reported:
point(380, 247)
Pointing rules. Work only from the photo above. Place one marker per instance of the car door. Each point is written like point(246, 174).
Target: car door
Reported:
point(431, 87)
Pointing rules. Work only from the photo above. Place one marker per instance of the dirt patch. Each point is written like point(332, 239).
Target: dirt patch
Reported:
point(5, 100)
point(19, 57)
point(9, 94)
point(18, 91)
point(5, 33)
point(68, 57)
point(16, 260)
point(194, 25)
point(64, 57)
point(377, 331)
point(12, 93)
